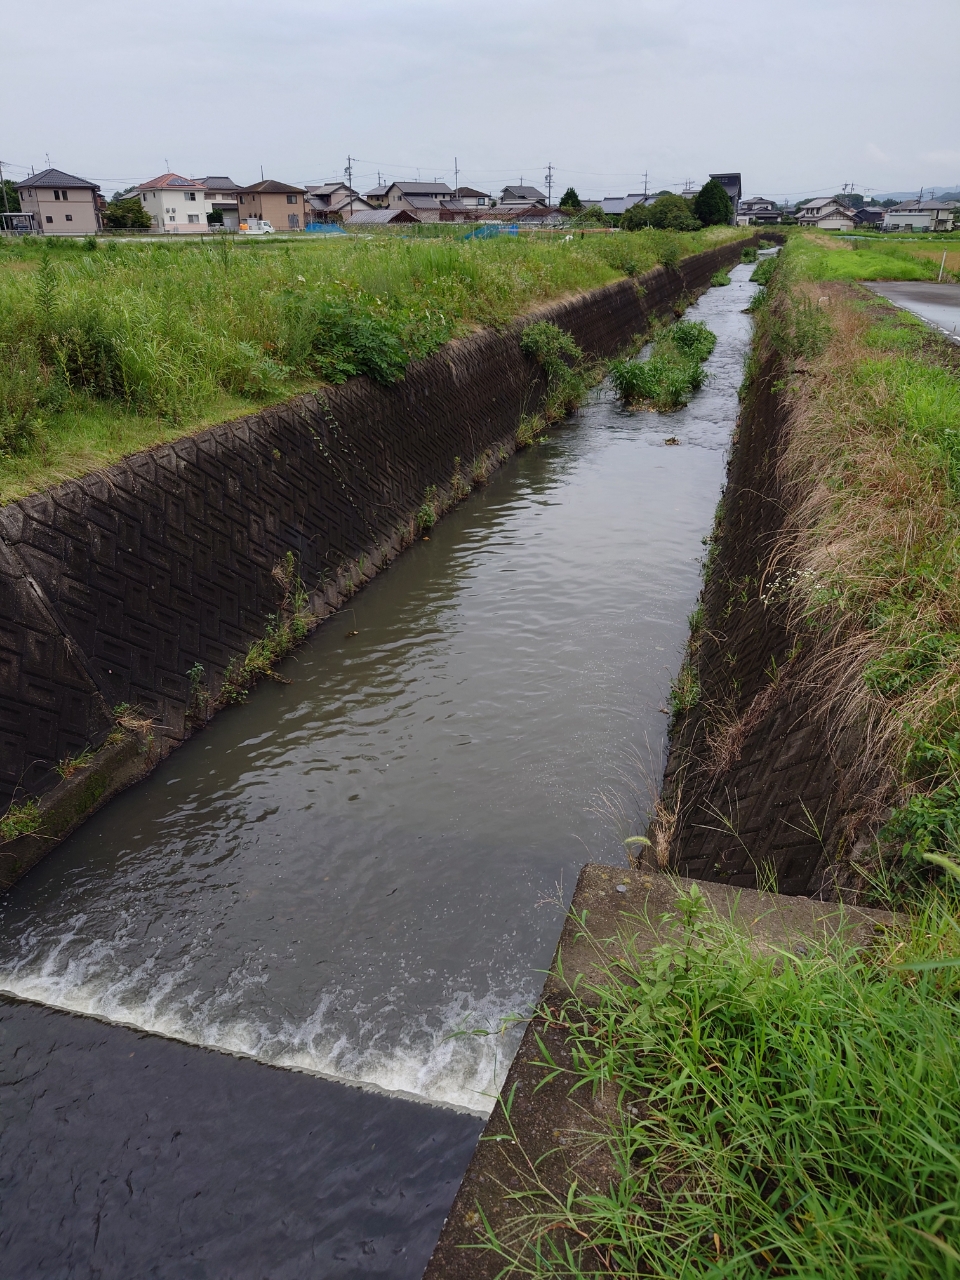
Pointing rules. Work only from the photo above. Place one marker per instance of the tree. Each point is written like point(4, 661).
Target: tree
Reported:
point(637, 216)
point(593, 214)
point(851, 201)
point(125, 211)
point(712, 206)
point(570, 200)
point(12, 197)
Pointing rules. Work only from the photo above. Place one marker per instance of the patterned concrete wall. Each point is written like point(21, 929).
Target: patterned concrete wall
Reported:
point(112, 587)
point(759, 784)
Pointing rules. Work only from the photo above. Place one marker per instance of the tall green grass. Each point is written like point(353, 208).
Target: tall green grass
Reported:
point(105, 349)
point(673, 371)
point(791, 1112)
point(818, 258)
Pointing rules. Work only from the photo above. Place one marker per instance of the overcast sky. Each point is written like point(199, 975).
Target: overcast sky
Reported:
point(799, 95)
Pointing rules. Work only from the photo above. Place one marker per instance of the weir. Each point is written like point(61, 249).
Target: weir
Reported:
point(361, 874)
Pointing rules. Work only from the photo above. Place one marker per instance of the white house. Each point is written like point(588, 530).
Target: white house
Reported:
point(826, 214)
point(922, 215)
point(521, 197)
point(757, 209)
point(471, 198)
point(175, 204)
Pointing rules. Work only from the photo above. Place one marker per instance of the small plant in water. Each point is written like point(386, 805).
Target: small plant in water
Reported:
point(718, 279)
point(426, 516)
point(672, 373)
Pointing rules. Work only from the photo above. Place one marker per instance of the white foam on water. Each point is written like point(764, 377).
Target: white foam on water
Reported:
point(455, 1056)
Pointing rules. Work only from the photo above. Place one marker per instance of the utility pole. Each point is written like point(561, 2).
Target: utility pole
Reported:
point(6, 204)
point(644, 184)
point(456, 178)
point(549, 181)
point(349, 172)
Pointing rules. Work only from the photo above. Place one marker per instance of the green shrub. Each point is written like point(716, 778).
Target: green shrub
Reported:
point(20, 820)
point(763, 271)
point(673, 371)
point(718, 279)
point(748, 253)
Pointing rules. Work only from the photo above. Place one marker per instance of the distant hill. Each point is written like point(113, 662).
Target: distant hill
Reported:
point(929, 193)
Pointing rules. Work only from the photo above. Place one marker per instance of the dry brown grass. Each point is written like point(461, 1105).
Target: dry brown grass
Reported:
point(872, 541)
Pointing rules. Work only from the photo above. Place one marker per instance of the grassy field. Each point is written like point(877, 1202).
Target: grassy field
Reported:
point(108, 349)
point(827, 258)
point(798, 1115)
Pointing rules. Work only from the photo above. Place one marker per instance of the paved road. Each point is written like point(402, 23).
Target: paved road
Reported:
point(938, 304)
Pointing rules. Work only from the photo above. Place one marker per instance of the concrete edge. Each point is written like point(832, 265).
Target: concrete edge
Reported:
point(536, 1122)
point(112, 769)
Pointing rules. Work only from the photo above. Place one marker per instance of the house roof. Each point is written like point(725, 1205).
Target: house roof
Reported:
point(471, 191)
point(923, 206)
point(617, 204)
point(219, 184)
point(56, 178)
point(755, 200)
point(169, 181)
point(523, 193)
point(420, 188)
point(377, 217)
point(328, 188)
point(270, 187)
point(378, 192)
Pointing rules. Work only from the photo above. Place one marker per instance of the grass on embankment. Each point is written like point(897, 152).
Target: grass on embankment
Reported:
point(779, 1114)
point(106, 350)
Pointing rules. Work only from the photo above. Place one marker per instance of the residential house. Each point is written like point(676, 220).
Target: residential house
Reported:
point(471, 198)
point(757, 210)
point(733, 186)
point(410, 196)
point(867, 217)
point(61, 204)
point(220, 201)
point(333, 201)
point(521, 197)
point(922, 215)
point(176, 205)
point(381, 217)
point(826, 214)
point(275, 202)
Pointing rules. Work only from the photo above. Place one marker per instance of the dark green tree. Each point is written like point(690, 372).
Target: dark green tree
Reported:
point(570, 200)
point(593, 215)
point(712, 206)
point(637, 216)
point(124, 212)
point(12, 197)
point(851, 201)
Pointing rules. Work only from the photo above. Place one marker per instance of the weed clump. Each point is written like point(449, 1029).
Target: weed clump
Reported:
point(20, 820)
point(673, 371)
point(284, 629)
point(719, 279)
point(562, 361)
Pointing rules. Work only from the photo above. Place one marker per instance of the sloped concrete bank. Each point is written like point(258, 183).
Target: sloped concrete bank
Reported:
point(133, 585)
point(760, 786)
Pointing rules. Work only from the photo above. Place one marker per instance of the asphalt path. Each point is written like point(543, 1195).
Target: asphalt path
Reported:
point(937, 304)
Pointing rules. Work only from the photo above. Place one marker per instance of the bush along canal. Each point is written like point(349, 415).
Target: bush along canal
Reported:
point(358, 875)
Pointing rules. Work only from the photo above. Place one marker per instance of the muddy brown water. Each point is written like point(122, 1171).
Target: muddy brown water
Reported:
point(355, 879)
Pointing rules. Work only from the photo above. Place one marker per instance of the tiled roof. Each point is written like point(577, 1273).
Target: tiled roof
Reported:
point(421, 188)
point(471, 191)
point(171, 181)
point(219, 184)
point(524, 193)
point(380, 216)
point(271, 187)
point(56, 178)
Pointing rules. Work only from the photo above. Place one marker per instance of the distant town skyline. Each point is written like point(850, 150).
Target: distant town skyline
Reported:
point(797, 100)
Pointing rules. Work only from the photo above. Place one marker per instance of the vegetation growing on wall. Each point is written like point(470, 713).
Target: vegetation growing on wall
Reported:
point(105, 350)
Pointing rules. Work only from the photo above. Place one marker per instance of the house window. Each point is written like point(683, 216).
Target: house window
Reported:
point(481, 199)
point(49, 219)
point(69, 217)
point(172, 218)
point(56, 195)
point(64, 195)
point(191, 195)
point(193, 217)
point(291, 199)
point(240, 198)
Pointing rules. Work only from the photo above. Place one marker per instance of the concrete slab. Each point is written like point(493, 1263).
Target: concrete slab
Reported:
point(539, 1135)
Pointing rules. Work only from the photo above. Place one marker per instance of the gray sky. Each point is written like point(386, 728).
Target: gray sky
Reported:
point(799, 96)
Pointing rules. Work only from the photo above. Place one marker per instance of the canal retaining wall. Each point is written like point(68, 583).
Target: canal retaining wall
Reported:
point(114, 588)
point(761, 787)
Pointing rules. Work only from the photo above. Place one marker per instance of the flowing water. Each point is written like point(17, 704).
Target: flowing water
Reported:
point(362, 873)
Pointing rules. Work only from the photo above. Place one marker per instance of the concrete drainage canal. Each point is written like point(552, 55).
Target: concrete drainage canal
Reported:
point(356, 878)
